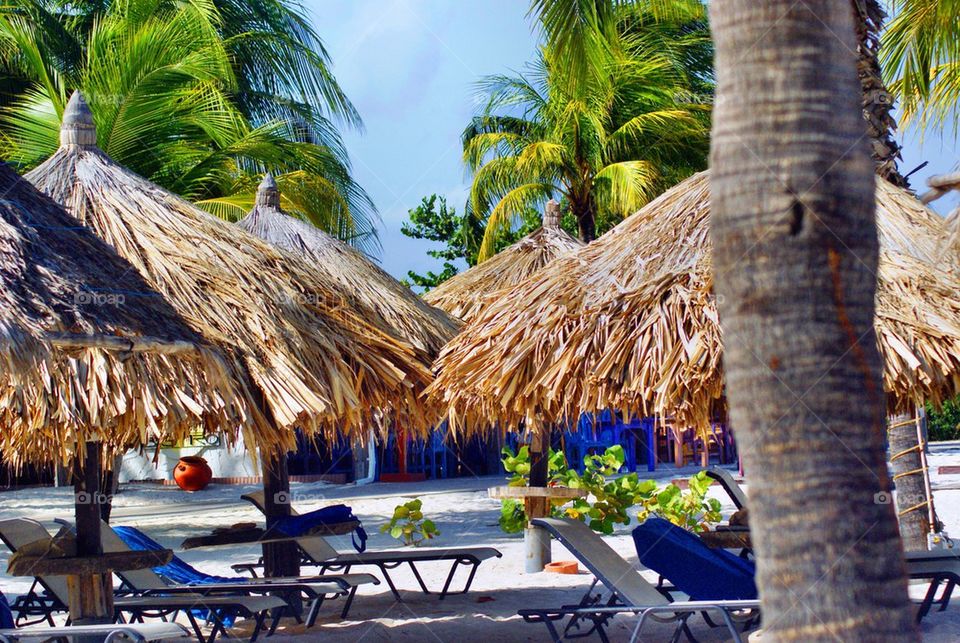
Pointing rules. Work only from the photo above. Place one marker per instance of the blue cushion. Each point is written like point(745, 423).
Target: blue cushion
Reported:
point(704, 574)
point(6, 616)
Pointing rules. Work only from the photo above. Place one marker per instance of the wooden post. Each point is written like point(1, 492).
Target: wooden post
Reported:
point(279, 558)
point(89, 596)
point(536, 539)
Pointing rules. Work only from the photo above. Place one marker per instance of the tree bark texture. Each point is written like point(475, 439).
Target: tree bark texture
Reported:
point(795, 256)
point(911, 497)
point(876, 101)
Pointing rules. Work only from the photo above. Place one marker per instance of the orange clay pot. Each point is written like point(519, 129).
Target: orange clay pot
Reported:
point(192, 473)
point(563, 567)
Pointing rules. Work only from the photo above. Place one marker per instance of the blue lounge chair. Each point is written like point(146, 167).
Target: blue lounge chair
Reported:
point(626, 592)
point(178, 576)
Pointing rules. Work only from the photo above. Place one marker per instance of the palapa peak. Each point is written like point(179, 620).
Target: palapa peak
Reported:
point(551, 215)
point(268, 195)
point(77, 127)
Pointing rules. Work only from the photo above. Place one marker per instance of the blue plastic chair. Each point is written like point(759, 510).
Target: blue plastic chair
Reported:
point(595, 434)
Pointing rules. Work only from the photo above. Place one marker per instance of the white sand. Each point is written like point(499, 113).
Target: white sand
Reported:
point(465, 516)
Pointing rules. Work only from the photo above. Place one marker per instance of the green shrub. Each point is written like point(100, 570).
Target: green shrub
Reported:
point(609, 495)
point(944, 424)
point(407, 524)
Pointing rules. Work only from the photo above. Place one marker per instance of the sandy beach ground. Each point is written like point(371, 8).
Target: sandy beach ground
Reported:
point(465, 517)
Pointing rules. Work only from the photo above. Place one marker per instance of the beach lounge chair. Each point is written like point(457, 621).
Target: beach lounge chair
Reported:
point(937, 567)
point(627, 592)
point(317, 552)
point(19, 532)
point(186, 578)
point(112, 633)
point(730, 485)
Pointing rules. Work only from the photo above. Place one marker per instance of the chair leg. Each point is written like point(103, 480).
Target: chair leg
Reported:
point(276, 616)
point(314, 610)
point(446, 585)
point(195, 625)
point(416, 574)
point(731, 626)
point(258, 625)
point(947, 593)
point(393, 588)
point(349, 603)
point(928, 599)
point(473, 573)
point(219, 627)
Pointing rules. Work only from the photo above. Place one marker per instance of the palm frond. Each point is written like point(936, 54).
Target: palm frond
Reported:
point(510, 206)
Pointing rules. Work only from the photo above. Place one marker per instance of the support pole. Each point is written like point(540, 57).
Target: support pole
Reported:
point(89, 596)
point(536, 539)
point(279, 558)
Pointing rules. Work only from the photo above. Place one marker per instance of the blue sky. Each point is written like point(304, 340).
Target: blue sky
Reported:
point(410, 67)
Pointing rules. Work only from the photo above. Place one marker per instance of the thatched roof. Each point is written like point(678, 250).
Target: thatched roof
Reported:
point(364, 284)
point(90, 350)
point(467, 294)
point(287, 333)
point(630, 322)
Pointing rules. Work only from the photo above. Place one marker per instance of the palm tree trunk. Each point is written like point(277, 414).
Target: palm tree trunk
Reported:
point(904, 447)
point(585, 212)
point(877, 102)
point(795, 255)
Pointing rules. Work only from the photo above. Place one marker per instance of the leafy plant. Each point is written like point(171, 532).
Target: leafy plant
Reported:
point(944, 424)
point(408, 524)
point(690, 510)
point(606, 135)
point(609, 495)
point(199, 97)
point(460, 236)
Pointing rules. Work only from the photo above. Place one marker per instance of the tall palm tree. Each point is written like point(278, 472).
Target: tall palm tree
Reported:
point(606, 143)
point(567, 26)
point(175, 103)
point(921, 61)
point(795, 255)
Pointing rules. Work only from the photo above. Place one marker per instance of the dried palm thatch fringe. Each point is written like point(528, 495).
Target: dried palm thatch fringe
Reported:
point(364, 285)
point(466, 295)
point(90, 351)
point(629, 322)
point(288, 335)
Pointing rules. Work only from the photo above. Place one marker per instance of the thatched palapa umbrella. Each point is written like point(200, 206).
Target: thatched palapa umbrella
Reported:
point(467, 294)
point(94, 360)
point(362, 282)
point(629, 322)
point(303, 356)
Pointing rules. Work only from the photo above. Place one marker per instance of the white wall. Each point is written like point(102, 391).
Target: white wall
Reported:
point(224, 461)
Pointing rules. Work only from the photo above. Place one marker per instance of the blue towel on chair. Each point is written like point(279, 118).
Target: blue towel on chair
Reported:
point(304, 523)
point(704, 574)
point(177, 570)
